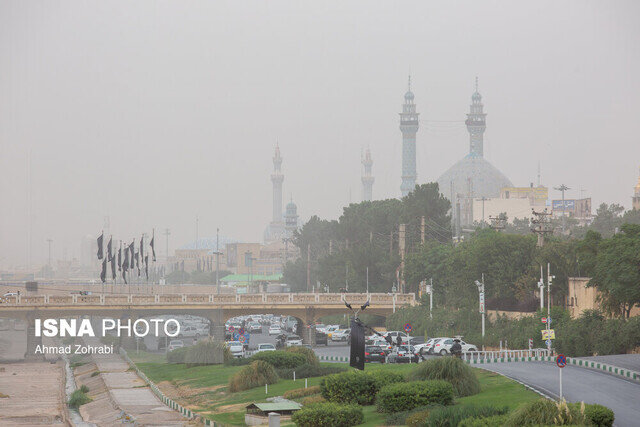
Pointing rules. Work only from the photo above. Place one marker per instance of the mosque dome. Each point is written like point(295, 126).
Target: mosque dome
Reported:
point(476, 96)
point(409, 96)
point(292, 208)
point(485, 179)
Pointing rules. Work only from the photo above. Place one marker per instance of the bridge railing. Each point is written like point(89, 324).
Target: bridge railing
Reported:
point(207, 299)
point(492, 356)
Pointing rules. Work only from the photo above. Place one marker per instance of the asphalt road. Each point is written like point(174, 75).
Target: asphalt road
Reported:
point(627, 361)
point(579, 384)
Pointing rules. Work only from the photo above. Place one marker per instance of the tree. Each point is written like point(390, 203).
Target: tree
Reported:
point(617, 271)
point(607, 219)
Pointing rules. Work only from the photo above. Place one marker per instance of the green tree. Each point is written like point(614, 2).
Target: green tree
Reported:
point(617, 271)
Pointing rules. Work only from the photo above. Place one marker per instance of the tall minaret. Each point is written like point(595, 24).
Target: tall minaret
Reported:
point(276, 179)
point(476, 124)
point(409, 128)
point(367, 178)
point(636, 196)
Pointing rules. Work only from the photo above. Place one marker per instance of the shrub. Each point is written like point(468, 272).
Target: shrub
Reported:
point(599, 415)
point(417, 419)
point(301, 392)
point(310, 400)
point(493, 421)
point(356, 386)
point(281, 359)
point(406, 396)
point(78, 398)
point(95, 373)
point(178, 355)
point(310, 355)
point(256, 374)
point(328, 415)
point(451, 369)
point(454, 415)
point(207, 352)
point(84, 388)
point(545, 412)
point(309, 371)
point(401, 418)
point(237, 361)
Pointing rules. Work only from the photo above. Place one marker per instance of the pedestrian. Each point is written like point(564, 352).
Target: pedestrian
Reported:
point(456, 348)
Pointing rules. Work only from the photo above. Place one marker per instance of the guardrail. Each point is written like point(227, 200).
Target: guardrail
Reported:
point(475, 357)
point(207, 299)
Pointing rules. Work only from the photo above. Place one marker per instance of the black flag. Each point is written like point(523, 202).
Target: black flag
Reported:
point(100, 254)
point(103, 274)
point(125, 265)
point(113, 268)
point(109, 250)
point(146, 266)
point(153, 246)
point(142, 247)
point(132, 252)
point(120, 258)
point(138, 262)
point(357, 345)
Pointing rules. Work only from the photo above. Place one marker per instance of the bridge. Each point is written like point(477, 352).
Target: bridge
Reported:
point(218, 308)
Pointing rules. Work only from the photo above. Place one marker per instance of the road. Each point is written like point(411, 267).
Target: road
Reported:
point(579, 384)
point(627, 361)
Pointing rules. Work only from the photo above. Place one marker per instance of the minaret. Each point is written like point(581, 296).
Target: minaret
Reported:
point(476, 124)
point(636, 196)
point(367, 178)
point(409, 128)
point(276, 179)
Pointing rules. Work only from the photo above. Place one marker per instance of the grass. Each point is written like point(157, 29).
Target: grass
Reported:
point(495, 389)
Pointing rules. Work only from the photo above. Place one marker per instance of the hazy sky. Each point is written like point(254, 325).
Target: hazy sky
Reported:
point(154, 112)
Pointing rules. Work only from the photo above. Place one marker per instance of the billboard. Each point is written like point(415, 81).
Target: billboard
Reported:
point(569, 205)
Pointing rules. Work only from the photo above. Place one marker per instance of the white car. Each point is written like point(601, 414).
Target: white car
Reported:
point(403, 336)
point(236, 348)
point(255, 327)
point(275, 330)
point(426, 346)
point(173, 344)
point(265, 347)
point(341, 335)
point(443, 346)
point(388, 348)
point(293, 340)
point(189, 331)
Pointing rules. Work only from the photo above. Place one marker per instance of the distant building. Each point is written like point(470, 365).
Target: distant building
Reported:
point(290, 219)
point(472, 177)
point(537, 196)
point(409, 127)
point(636, 196)
point(579, 209)
point(513, 208)
point(367, 178)
point(582, 297)
point(275, 229)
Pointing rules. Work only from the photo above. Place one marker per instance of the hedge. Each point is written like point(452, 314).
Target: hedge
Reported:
point(281, 359)
point(493, 421)
point(356, 386)
point(301, 392)
point(309, 354)
point(309, 371)
point(406, 396)
point(328, 415)
point(453, 416)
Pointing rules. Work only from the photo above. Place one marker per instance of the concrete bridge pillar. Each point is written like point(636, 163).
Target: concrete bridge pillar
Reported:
point(216, 324)
point(32, 340)
point(308, 334)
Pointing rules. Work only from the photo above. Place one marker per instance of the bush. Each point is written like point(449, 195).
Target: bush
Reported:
point(417, 419)
point(356, 386)
point(310, 400)
point(207, 352)
point(401, 418)
point(237, 361)
point(301, 392)
point(451, 369)
point(454, 415)
point(545, 412)
point(309, 371)
point(281, 359)
point(78, 398)
point(178, 355)
point(310, 355)
point(493, 421)
point(84, 388)
point(599, 415)
point(328, 415)
point(256, 374)
point(406, 396)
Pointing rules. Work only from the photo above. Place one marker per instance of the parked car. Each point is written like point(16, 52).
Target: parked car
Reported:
point(173, 344)
point(403, 336)
point(293, 340)
point(341, 335)
point(275, 329)
point(425, 347)
point(236, 348)
point(321, 338)
point(374, 353)
point(386, 347)
point(404, 354)
point(189, 332)
point(265, 347)
point(255, 327)
point(443, 347)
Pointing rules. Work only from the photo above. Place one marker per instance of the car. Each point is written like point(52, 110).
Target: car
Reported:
point(425, 347)
point(174, 344)
point(265, 347)
point(394, 336)
point(255, 327)
point(386, 347)
point(341, 335)
point(404, 354)
point(443, 347)
point(293, 340)
point(189, 331)
point(321, 338)
point(329, 330)
point(11, 294)
point(320, 327)
point(374, 353)
point(236, 348)
point(275, 330)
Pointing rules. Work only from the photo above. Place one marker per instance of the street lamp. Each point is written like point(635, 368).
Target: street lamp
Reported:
point(541, 287)
point(480, 286)
point(430, 292)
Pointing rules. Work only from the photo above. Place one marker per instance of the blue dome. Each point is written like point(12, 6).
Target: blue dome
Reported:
point(486, 179)
point(291, 207)
point(476, 96)
point(408, 95)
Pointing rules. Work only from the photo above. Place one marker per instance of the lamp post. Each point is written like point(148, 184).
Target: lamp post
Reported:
point(480, 286)
point(541, 287)
point(430, 292)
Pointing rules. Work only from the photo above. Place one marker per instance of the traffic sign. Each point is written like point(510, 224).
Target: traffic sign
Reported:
point(241, 338)
point(561, 361)
point(548, 343)
point(407, 327)
point(235, 336)
point(548, 334)
point(544, 320)
point(530, 343)
point(231, 328)
point(241, 331)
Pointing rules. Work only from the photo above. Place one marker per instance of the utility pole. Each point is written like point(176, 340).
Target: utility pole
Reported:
point(563, 188)
point(541, 287)
point(308, 266)
point(401, 249)
point(422, 229)
point(196, 231)
point(483, 199)
point(549, 280)
point(430, 292)
point(367, 279)
point(497, 222)
point(167, 232)
point(541, 225)
point(50, 241)
point(218, 260)
point(480, 286)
